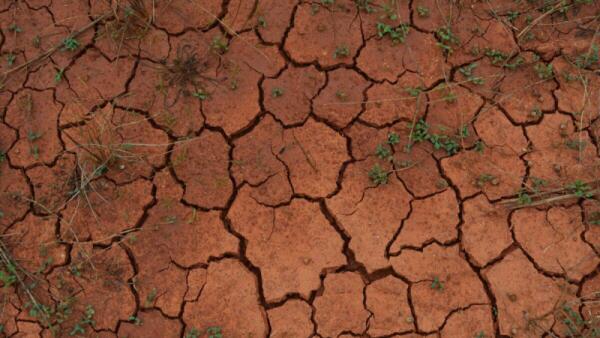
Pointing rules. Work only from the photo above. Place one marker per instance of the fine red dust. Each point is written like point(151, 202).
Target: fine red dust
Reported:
point(292, 168)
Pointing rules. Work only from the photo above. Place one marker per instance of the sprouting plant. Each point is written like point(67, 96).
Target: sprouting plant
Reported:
point(396, 34)
point(364, 5)
point(383, 152)
point(580, 189)
point(201, 95)
point(135, 320)
point(70, 44)
point(10, 59)
point(479, 146)
point(36, 41)
point(594, 218)
point(536, 112)
point(538, 183)
point(277, 92)
point(449, 96)
point(219, 45)
point(85, 321)
point(574, 144)
point(523, 197)
point(421, 133)
point(262, 22)
point(327, 2)
point(436, 284)
point(463, 131)
point(413, 91)
point(214, 332)
point(544, 71)
point(423, 11)
point(587, 59)
point(59, 75)
point(389, 10)
point(486, 178)
point(33, 135)
point(467, 71)
point(393, 138)
point(341, 95)
point(512, 15)
point(447, 39)
point(341, 52)
point(8, 275)
point(378, 175)
point(496, 56)
point(480, 334)
point(14, 28)
point(151, 296)
point(193, 333)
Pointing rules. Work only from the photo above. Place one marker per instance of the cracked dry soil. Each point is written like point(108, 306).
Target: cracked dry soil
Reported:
point(293, 168)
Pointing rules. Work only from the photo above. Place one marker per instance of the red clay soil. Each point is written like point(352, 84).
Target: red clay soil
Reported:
point(292, 168)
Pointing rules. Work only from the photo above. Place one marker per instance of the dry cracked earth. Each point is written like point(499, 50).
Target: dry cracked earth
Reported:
point(288, 168)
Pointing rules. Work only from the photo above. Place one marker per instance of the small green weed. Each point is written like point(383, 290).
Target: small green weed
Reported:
point(378, 175)
point(14, 28)
point(277, 92)
point(396, 34)
point(436, 284)
point(423, 11)
point(449, 144)
point(85, 321)
point(588, 59)
point(580, 189)
point(467, 71)
point(201, 95)
point(341, 52)
point(59, 75)
point(365, 5)
point(70, 44)
point(214, 332)
point(447, 39)
point(219, 45)
point(193, 333)
point(544, 71)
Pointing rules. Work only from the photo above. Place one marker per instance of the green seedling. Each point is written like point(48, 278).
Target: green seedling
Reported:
point(467, 71)
point(589, 58)
point(262, 22)
point(70, 44)
point(85, 321)
point(10, 59)
point(523, 197)
point(580, 189)
point(327, 2)
point(59, 75)
point(423, 11)
point(378, 175)
point(214, 332)
point(14, 28)
point(135, 320)
point(201, 95)
point(447, 39)
point(193, 333)
point(396, 34)
point(393, 139)
point(413, 91)
point(277, 92)
point(219, 45)
point(544, 71)
point(365, 5)
point(511, 16)
point(436, 284)
point(383, 152)
point(341, 95)
point(341, 52)
point(479, 146)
